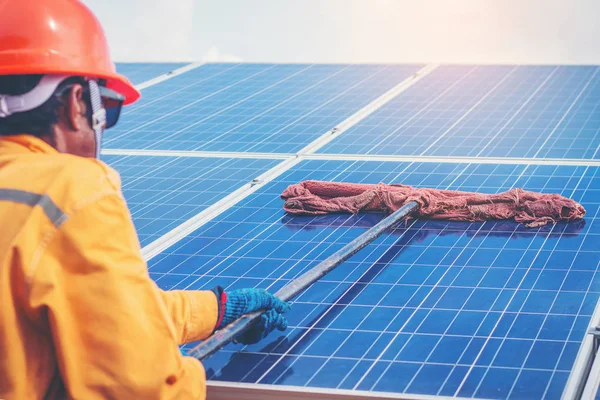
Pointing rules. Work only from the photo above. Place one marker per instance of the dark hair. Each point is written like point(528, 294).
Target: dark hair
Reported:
point(39, 121)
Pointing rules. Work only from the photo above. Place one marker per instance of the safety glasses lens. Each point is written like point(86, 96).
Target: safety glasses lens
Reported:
point(112, 103)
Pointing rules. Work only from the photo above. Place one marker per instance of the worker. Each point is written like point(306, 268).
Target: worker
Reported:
point(80, 317)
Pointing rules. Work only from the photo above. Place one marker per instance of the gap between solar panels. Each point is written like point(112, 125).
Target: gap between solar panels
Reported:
point(191, 225)
point(577, 162)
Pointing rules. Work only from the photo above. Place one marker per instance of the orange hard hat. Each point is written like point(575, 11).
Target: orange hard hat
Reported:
point(57, 37)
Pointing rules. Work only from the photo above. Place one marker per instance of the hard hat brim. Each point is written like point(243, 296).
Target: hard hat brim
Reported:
point(114, 80)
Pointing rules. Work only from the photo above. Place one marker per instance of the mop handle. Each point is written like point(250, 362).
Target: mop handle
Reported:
point(292, 289)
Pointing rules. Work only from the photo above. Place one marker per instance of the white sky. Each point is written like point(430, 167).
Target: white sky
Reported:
point(353, 31)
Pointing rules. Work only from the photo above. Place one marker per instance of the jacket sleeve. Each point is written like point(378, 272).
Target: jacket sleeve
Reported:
point(193, 312)
point(111, 326)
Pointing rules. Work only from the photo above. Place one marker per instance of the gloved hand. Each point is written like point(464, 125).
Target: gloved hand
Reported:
point(240, 302)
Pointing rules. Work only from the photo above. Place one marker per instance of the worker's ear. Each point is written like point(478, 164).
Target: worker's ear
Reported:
point(75, 109)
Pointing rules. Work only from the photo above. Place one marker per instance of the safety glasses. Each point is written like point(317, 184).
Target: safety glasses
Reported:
point(112, 102)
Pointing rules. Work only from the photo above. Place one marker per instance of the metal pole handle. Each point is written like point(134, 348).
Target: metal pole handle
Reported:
point(292, 289)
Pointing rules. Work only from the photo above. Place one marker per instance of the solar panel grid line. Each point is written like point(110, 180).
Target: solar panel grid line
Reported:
point(148, 173)
point(163, 192)
point(522, 106)
point(431, 352)
point(166, 99)
point(378, 304)
point(370, 134)
point(369, 109)
point(487, 340)
point(514, 321)
point(222, 110)
point(269, 287)
point(192, 224)
point(559, 127)
point(168, 75)
point(368, 122)
point(576, 382)
point(183, 187)
point(324, 315)
point(473, 107)
point(408, 320)
point(548, 172)
point(523, 136)
point(423, 109)
point(583, 346)
point(195, 222)
point(453, 160)
point(471, 139)
point(564, 280)
point(331, 235)
point(567, 112)
point(190, 104)
point(358, 115)
point(451, 284)
point(530, 129)
point(574, 370)
point(172, 92)
point(595, 112)
point(257, 131)
point(296, 94)
point(529, 163)
point(230, 256)
point(492, 144)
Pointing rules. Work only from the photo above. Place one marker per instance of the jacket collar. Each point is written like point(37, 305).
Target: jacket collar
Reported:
point(25, 144)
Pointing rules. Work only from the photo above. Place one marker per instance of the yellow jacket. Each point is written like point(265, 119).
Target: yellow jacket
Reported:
point(79, 315)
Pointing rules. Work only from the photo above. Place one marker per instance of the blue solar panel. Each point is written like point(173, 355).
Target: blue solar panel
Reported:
point(489, 310)
point(142, 72)
point(261, 108)
point(487, 111)
point(163, 192)
point(201, 83)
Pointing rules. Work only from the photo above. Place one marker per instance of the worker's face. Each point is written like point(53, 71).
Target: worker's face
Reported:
point(73, 133)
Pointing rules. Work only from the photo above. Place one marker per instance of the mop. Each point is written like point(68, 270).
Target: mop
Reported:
point(403, 202)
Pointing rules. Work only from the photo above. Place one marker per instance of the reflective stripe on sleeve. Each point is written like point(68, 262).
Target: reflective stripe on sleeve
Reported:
point(55, 214)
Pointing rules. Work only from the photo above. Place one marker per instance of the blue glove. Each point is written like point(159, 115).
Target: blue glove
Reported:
point(267, 323)
point(240, 302)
